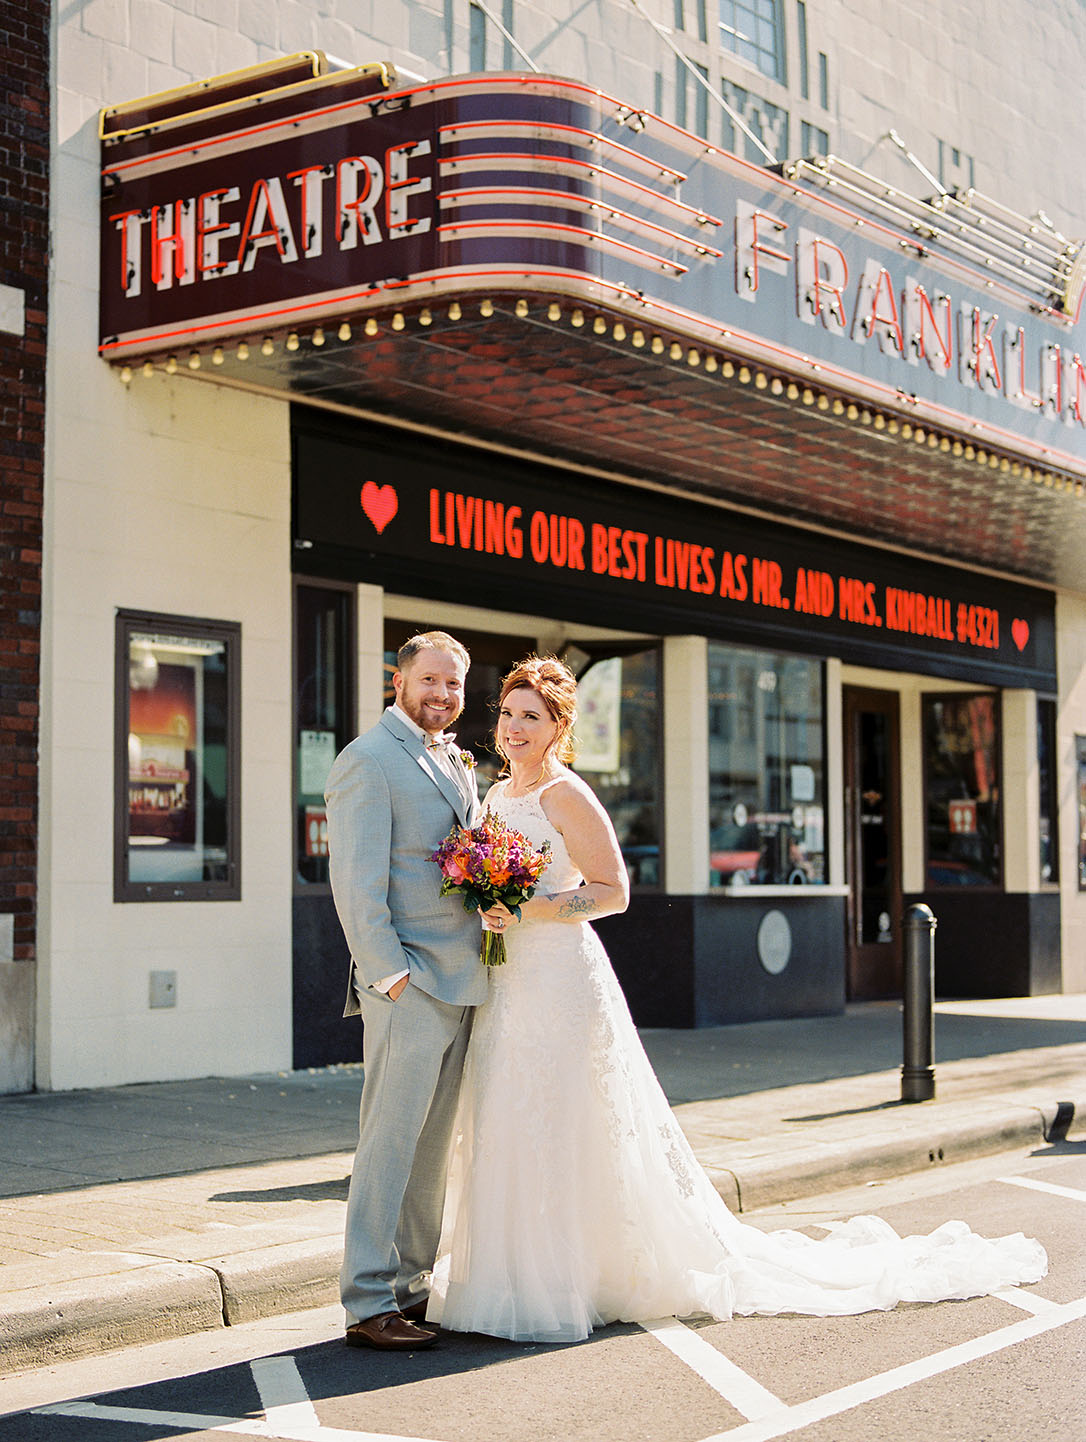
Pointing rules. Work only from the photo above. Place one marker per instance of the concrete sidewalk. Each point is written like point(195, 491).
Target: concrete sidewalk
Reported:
point(137, 1213)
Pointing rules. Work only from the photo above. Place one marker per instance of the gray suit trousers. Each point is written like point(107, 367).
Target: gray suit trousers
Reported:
point(414, 1056)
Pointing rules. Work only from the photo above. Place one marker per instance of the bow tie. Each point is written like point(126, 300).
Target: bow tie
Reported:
point(439, 743)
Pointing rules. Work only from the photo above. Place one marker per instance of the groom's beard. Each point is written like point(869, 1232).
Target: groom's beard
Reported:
point(414, 706)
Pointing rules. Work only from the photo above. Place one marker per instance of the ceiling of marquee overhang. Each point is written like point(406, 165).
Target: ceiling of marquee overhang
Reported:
point(589, 395)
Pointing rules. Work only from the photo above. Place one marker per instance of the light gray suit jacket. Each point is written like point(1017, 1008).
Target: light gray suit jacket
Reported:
point(389, 807)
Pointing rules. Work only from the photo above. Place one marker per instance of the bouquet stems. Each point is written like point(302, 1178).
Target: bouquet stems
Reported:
point(492, 951)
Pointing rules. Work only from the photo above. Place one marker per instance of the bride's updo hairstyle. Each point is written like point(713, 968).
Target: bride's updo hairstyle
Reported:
point(557, 685)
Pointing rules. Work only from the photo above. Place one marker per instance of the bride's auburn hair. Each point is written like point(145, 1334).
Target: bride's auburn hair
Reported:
point(556, 684)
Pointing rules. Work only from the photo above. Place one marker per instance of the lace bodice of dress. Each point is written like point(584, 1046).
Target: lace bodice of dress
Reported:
point(526, 815)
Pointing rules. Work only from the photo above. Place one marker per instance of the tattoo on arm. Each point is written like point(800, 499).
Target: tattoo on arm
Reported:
point(576, 906)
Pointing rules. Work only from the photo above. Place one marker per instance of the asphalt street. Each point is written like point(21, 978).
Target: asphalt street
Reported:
point(992, 1369)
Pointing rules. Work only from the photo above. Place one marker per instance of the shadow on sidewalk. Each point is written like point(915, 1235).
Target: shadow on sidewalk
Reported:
point(308, 1192)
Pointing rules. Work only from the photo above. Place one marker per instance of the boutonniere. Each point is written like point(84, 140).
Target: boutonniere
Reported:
point(468, 759)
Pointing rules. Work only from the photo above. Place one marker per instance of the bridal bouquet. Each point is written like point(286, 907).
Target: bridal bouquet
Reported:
point(488, 863)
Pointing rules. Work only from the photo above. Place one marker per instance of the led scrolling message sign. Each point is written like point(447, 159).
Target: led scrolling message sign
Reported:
point(547, 186)
point(365, 510)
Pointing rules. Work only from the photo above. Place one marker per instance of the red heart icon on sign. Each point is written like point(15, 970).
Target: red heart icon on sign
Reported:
point(1020, 632)
point(380, 503)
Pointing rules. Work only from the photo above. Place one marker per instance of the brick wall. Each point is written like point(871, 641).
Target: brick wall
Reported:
point(24, 226)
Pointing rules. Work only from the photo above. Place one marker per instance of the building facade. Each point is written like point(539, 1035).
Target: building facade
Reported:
point(733, 352)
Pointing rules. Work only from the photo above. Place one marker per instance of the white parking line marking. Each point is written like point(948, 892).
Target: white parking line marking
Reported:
point(1076, 1196)
point(194, 1422)
point(818, 1409)
point(282, 1393)
point(1019, 1297)
point(747, 1396)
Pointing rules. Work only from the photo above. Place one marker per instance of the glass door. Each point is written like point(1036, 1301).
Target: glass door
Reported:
point(872, 844)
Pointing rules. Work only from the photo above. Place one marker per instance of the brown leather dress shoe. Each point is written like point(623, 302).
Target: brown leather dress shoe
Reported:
point(390, 1332)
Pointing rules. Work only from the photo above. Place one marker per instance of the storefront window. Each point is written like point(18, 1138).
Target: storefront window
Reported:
point(177, 768)
point(324, 716)
point(766, 769)
point(1046, 766)
point(618, 751)
point(961, 779)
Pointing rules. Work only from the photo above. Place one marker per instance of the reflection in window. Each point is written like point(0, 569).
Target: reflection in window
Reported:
point(961, 776)
point(177, 804)
point(753, 30)
point(324, 714)
point(766, 769)
point(1046, 767)
point(618, 752)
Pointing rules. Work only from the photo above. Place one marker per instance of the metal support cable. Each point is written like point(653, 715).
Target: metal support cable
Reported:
point(479, 5)
point(892, 135)
point(733, 116)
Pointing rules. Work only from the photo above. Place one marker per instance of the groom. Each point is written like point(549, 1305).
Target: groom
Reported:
point(392, 796)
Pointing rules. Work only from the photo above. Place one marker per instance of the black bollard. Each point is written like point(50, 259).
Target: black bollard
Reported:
point(918, 1072)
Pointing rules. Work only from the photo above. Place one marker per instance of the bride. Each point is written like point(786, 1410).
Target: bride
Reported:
point(574, 1199)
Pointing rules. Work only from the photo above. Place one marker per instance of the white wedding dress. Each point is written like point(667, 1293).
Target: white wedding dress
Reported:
point(574, 1199)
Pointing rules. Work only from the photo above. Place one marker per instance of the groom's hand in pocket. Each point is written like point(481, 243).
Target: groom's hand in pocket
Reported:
point(397, 990)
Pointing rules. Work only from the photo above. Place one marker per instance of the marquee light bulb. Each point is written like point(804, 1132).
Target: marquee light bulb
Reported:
point(243, 351)
point(554, 311)
point(520, 310)
point(599, 325)
point(171, 365)
point(693, 357)
point(398, 321)
point(657, 345)
point(638, 339)
point(486, 308)
point(126, 375)
point(711, 364)
point(619, 331)
point(454, 311)
point(194, 361)
point(425, 318)
point(318, 336)
point(371, 326)
point(267, 346)
point(577, 319)
point(217, 356)
point(148, 368)
point(344, 332)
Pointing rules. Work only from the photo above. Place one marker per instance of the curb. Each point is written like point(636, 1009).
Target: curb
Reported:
point(137, 1303)
point(769, 1179)
point(61, 1321)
